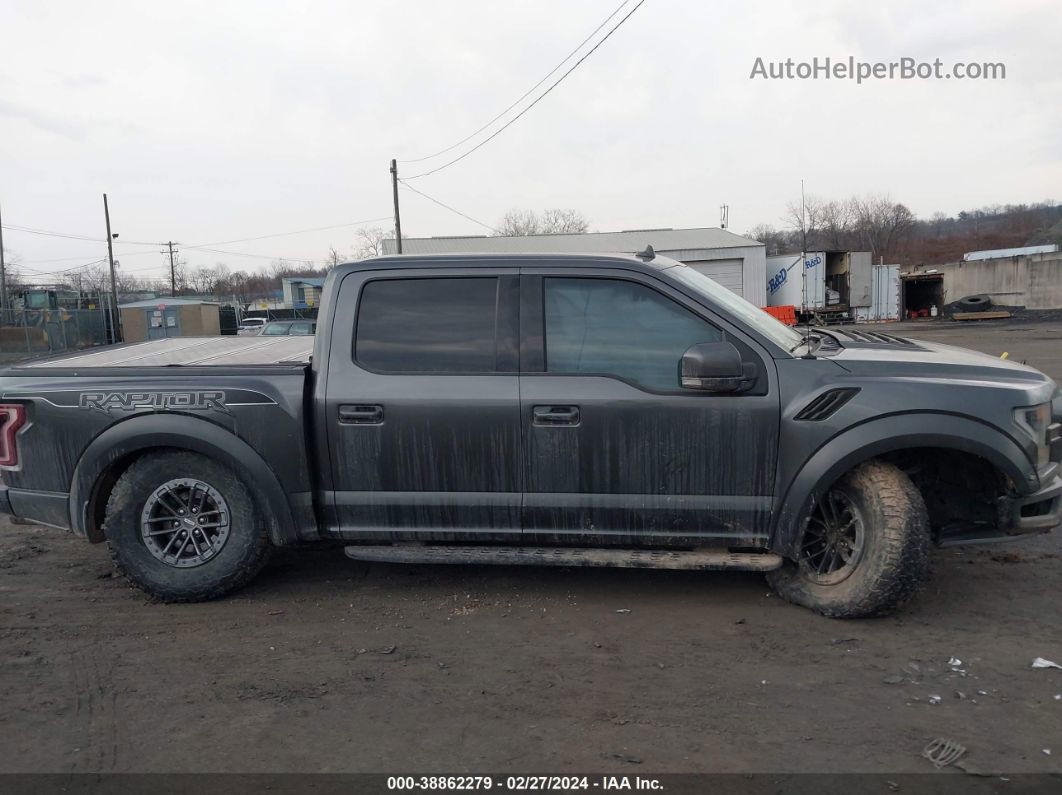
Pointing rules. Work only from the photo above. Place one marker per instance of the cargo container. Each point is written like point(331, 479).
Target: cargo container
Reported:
point(884, 295)
point(834, 282)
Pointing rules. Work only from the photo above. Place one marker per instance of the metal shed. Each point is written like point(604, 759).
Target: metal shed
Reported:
point(736, 262)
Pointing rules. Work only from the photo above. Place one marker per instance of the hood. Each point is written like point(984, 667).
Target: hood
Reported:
point(878, 354)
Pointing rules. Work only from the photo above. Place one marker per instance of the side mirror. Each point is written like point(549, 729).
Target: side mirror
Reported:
point(715, 367)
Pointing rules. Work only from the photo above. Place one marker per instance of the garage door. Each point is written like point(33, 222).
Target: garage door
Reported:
point(725, 271)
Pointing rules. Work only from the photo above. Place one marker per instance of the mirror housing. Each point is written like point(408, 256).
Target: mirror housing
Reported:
point(715, 367)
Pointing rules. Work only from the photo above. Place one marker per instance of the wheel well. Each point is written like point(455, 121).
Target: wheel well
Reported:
point(101, 490)
point(960, 489)
point(104, 485)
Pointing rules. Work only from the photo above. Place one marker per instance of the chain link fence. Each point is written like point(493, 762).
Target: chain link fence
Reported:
point(28, 333)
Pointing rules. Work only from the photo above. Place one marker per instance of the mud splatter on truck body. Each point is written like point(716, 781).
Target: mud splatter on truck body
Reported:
point(576, 401)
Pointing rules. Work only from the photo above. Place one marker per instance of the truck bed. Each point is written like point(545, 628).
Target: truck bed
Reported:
point(188, 351)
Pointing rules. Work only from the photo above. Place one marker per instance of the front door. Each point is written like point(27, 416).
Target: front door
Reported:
point(422, 410)
point(162, 323)
point(617, 452)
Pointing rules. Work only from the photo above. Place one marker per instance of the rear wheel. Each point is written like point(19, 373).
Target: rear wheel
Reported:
point(184, 528)
point(865, 550)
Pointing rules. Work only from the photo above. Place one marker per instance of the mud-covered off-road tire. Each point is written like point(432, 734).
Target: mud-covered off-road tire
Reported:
point(245, 550)
point(895, 556)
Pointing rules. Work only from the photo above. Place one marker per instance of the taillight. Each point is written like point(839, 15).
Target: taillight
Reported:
point(12, 417)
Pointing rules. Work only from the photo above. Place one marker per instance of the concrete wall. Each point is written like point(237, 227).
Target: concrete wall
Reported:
point(1033, 281)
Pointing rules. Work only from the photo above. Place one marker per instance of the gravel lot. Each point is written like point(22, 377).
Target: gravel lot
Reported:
point(324, 664)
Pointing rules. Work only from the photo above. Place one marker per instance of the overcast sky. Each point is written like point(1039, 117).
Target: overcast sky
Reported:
point(217, 121)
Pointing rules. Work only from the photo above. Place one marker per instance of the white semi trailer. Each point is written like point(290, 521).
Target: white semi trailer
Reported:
point(830, 282)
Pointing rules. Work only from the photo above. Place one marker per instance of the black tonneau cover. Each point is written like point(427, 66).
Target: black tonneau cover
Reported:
point(188, 351)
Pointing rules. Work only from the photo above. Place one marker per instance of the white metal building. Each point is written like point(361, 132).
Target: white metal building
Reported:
point(736, 262)
point(1000, 253)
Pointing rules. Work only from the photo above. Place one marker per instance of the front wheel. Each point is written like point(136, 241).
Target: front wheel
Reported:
point(865, 549)
point(184, 528)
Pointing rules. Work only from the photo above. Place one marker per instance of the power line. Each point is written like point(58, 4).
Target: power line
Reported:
point(527, 93)
point(70, 236)
point(37, 272)
point(245, 254)
point(296, 232)
point(66, 259)
point(538, 99)
point(447, 207)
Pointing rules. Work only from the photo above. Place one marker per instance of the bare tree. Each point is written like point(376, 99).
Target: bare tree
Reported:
point(836, 220)
point(369, 241)
point(884, 224)
point(519, 223)
point(806, 220)
point(775, 241)
point(558, 221)
point(554, 221)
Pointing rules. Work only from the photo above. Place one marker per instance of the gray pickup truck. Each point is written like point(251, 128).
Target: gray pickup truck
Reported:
point(543, 409)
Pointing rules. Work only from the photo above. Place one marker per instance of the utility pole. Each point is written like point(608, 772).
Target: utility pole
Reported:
point(3, 276)
point(116, 322)
point(173, 272)
point(398, 218)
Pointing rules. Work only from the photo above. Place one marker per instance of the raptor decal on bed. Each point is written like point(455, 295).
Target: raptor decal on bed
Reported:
point(132, 401)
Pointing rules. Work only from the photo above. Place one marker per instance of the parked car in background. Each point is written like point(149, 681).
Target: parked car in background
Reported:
point(250, 326)
point(290, 328)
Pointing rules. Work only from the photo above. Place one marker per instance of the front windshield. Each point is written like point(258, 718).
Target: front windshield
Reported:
point(765, 324)
point(276, 330)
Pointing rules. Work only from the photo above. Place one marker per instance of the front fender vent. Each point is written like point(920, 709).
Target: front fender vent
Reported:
point(826, 404)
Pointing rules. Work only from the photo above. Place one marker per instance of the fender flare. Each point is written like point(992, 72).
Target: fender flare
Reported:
point(176, 431)
point(887, 434)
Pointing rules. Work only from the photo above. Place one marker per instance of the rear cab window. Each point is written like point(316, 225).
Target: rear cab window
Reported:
point(443, 325)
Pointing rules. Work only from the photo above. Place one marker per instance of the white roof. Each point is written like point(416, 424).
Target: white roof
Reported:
point(1010, 252)
point(626, 242)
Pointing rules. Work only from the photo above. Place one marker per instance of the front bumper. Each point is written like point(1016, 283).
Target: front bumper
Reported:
point(1039, 511)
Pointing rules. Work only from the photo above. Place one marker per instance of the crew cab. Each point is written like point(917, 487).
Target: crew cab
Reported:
point(542, 409)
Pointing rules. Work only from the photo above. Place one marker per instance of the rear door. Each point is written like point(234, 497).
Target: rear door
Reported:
point(422, 411)
point(616, 451)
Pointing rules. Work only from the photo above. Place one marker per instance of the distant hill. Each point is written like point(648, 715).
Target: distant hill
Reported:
point(892, 232)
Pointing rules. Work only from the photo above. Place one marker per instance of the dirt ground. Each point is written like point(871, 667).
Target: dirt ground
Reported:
point(324, 664)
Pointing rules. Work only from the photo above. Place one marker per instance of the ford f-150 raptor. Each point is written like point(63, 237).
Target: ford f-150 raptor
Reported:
point(558, 410)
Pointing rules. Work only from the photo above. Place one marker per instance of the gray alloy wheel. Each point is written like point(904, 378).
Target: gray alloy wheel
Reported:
point(185, 522)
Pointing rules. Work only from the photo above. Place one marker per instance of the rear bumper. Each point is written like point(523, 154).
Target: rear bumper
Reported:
point(47, 507)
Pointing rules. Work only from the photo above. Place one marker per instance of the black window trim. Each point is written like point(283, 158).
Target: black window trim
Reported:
point(506, 335)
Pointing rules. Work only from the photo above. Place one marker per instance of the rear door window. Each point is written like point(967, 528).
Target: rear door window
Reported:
point(428, 325)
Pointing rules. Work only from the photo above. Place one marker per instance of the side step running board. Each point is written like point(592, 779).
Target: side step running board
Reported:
point(704, 560)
